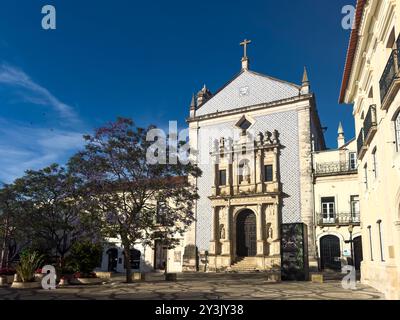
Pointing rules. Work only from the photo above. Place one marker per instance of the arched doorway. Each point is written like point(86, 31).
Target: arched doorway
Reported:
point(112, 259)
point(330, 252)
point(358, 255)
point(246, 238)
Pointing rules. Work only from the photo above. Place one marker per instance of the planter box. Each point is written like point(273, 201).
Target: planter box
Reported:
point(6, 280)
point(274, 276)
point(86, 281)
point(39, 276)
point(317, 277)
point(26, 285)
point(103, 275)
point(137, 276)
point(153, 276)
point(3, 281)
point(171, 277)
point(10, 279)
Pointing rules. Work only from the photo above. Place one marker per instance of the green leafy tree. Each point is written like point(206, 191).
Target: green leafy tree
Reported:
point(85, 256)
point(14, 231)
point(53, 210)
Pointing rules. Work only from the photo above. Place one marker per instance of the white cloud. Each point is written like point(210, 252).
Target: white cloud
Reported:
point(23, 147)
point(26, 146)
point(33, 92)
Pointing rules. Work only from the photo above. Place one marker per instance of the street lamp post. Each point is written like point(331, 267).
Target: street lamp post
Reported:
point(351, 244)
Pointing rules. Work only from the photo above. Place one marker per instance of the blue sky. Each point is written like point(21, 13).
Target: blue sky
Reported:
point(145, 59)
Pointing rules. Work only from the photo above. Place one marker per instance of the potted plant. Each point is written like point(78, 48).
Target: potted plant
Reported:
point(28, 264)
point(7, 275)
point(38, 274)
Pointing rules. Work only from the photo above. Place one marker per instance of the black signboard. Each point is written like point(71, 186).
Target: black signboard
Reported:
point(294, 257)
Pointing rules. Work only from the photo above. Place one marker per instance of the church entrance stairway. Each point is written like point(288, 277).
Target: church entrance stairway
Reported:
point(246, 264)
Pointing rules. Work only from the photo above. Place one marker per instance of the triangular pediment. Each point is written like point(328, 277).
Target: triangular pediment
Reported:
point(248, 88)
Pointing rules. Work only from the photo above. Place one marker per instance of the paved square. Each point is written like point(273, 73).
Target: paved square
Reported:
point(202, 287)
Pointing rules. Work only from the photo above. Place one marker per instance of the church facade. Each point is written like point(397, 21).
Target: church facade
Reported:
point(254, 140)
point(265, 186)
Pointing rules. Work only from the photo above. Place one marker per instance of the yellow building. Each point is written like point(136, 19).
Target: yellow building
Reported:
point(336, 206)
point(371, 81)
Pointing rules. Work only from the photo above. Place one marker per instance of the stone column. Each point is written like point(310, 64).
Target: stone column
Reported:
point(215, 184)
point(397, 248)
point(214, 231)
point(229, 173)
point(260, 229)
point(235, 172)
point(259, 170)
point(306, 183)
point(227, 241)
point(276, 229)
point(276, 164)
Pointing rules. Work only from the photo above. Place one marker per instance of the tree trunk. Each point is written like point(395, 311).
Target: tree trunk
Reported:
point(127, 255)
point(4, 252)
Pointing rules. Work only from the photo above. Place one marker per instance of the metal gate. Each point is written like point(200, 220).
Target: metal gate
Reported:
point(358, 255)
point(246, 234)
point(330, 252)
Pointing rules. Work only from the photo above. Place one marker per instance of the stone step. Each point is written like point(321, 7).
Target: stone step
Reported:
point(245, 264)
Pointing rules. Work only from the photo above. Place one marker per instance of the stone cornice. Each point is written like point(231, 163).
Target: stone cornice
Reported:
point(251, 108)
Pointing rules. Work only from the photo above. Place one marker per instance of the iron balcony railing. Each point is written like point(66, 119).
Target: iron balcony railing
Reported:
point(332, 168)
point(367, 132)
point(390, 73)
point(370, 124)
point(360, 143)
point(338, 219)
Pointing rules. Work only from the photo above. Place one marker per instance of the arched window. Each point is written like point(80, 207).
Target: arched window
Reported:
point(397, 131)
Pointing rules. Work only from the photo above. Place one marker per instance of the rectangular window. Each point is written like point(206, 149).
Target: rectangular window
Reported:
point(366, 176)
point(379, 222)
point(353, 160)
point(269, 174)
point(397, 131)
point(222, 177)
point(355, 208)
point(328, 209)
point(161, 212)
point(370, 243)
point(374, 163)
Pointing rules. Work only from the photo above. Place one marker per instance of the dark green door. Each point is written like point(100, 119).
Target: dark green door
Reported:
point(246, 242)
point(330, 253)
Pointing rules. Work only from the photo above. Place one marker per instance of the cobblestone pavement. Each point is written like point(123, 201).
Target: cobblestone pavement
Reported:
point(200, 287)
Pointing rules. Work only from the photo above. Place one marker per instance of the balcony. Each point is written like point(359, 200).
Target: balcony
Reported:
point(339, 219)
point(389, 83)
point(333, 168)
point(367, 132)
point(370, 125)
point(361, 147)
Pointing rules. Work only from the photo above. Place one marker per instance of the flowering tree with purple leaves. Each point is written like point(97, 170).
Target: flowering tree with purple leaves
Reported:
point(126, 191)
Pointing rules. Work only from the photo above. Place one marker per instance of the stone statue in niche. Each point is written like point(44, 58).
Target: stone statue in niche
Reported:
point(246, 172)
point(270, 233)
point(222, 232)
point(269, 230)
